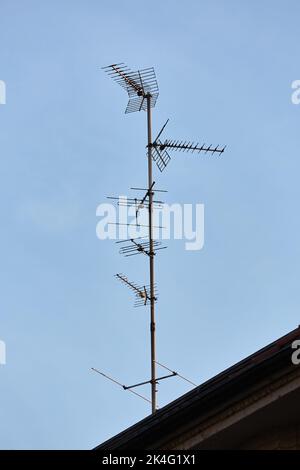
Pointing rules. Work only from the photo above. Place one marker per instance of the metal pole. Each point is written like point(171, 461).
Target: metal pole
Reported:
point(151, 260)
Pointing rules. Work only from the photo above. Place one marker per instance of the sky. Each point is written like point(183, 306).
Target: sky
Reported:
point(225, 70)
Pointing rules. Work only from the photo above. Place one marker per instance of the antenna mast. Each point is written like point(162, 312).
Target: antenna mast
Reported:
point(142, 90)
point(151, 258)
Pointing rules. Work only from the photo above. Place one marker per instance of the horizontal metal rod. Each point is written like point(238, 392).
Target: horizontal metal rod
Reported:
point(109, 66)
point(154, 190)
point(132, 201)
point(140, 206)
point(150, 381)
point(137, 385)
point(141, 250)
point(134, 225)
point(130, 239)
point(127, 249)
point(186, 146)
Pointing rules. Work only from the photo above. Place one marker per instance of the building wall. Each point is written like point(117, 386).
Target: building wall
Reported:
point(287, 438)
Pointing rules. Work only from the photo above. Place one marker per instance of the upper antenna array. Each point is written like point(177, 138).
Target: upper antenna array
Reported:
point(138, 85)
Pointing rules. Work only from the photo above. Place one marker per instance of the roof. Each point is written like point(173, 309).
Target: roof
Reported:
point(225, 386)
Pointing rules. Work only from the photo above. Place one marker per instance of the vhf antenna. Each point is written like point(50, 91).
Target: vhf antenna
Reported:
point(142, 89)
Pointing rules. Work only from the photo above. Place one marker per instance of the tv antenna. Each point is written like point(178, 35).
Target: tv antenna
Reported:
point(142, 89)
point(160, 149)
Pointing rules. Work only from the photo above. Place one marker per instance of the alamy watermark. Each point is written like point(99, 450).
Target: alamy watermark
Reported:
point(2, 343)
point(295, 97)
point(170, 221)
point(2, 353)
point(2, 92)
point(296, 354)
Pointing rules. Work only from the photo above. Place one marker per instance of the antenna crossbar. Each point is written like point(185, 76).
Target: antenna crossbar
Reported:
point(187, 146)
point(150, 381)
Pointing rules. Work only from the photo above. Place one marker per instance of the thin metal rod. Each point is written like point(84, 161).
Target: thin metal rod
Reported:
point(121, 385)
point(151, 258)
point(129, 387)
point(149, 381)
point(178, 375)
point(134, 225)
point(161, 131)
point(154, 190)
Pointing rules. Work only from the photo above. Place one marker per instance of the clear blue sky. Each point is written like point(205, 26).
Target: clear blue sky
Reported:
point(225, 70)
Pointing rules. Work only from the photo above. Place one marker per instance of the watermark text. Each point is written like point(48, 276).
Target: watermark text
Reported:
point(170, 221)
point(2, 353)
point(295, 97)
point(296, 353)
point(2, 92)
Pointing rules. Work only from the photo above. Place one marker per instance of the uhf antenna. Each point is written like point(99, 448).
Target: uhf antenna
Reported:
point(142, 89)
